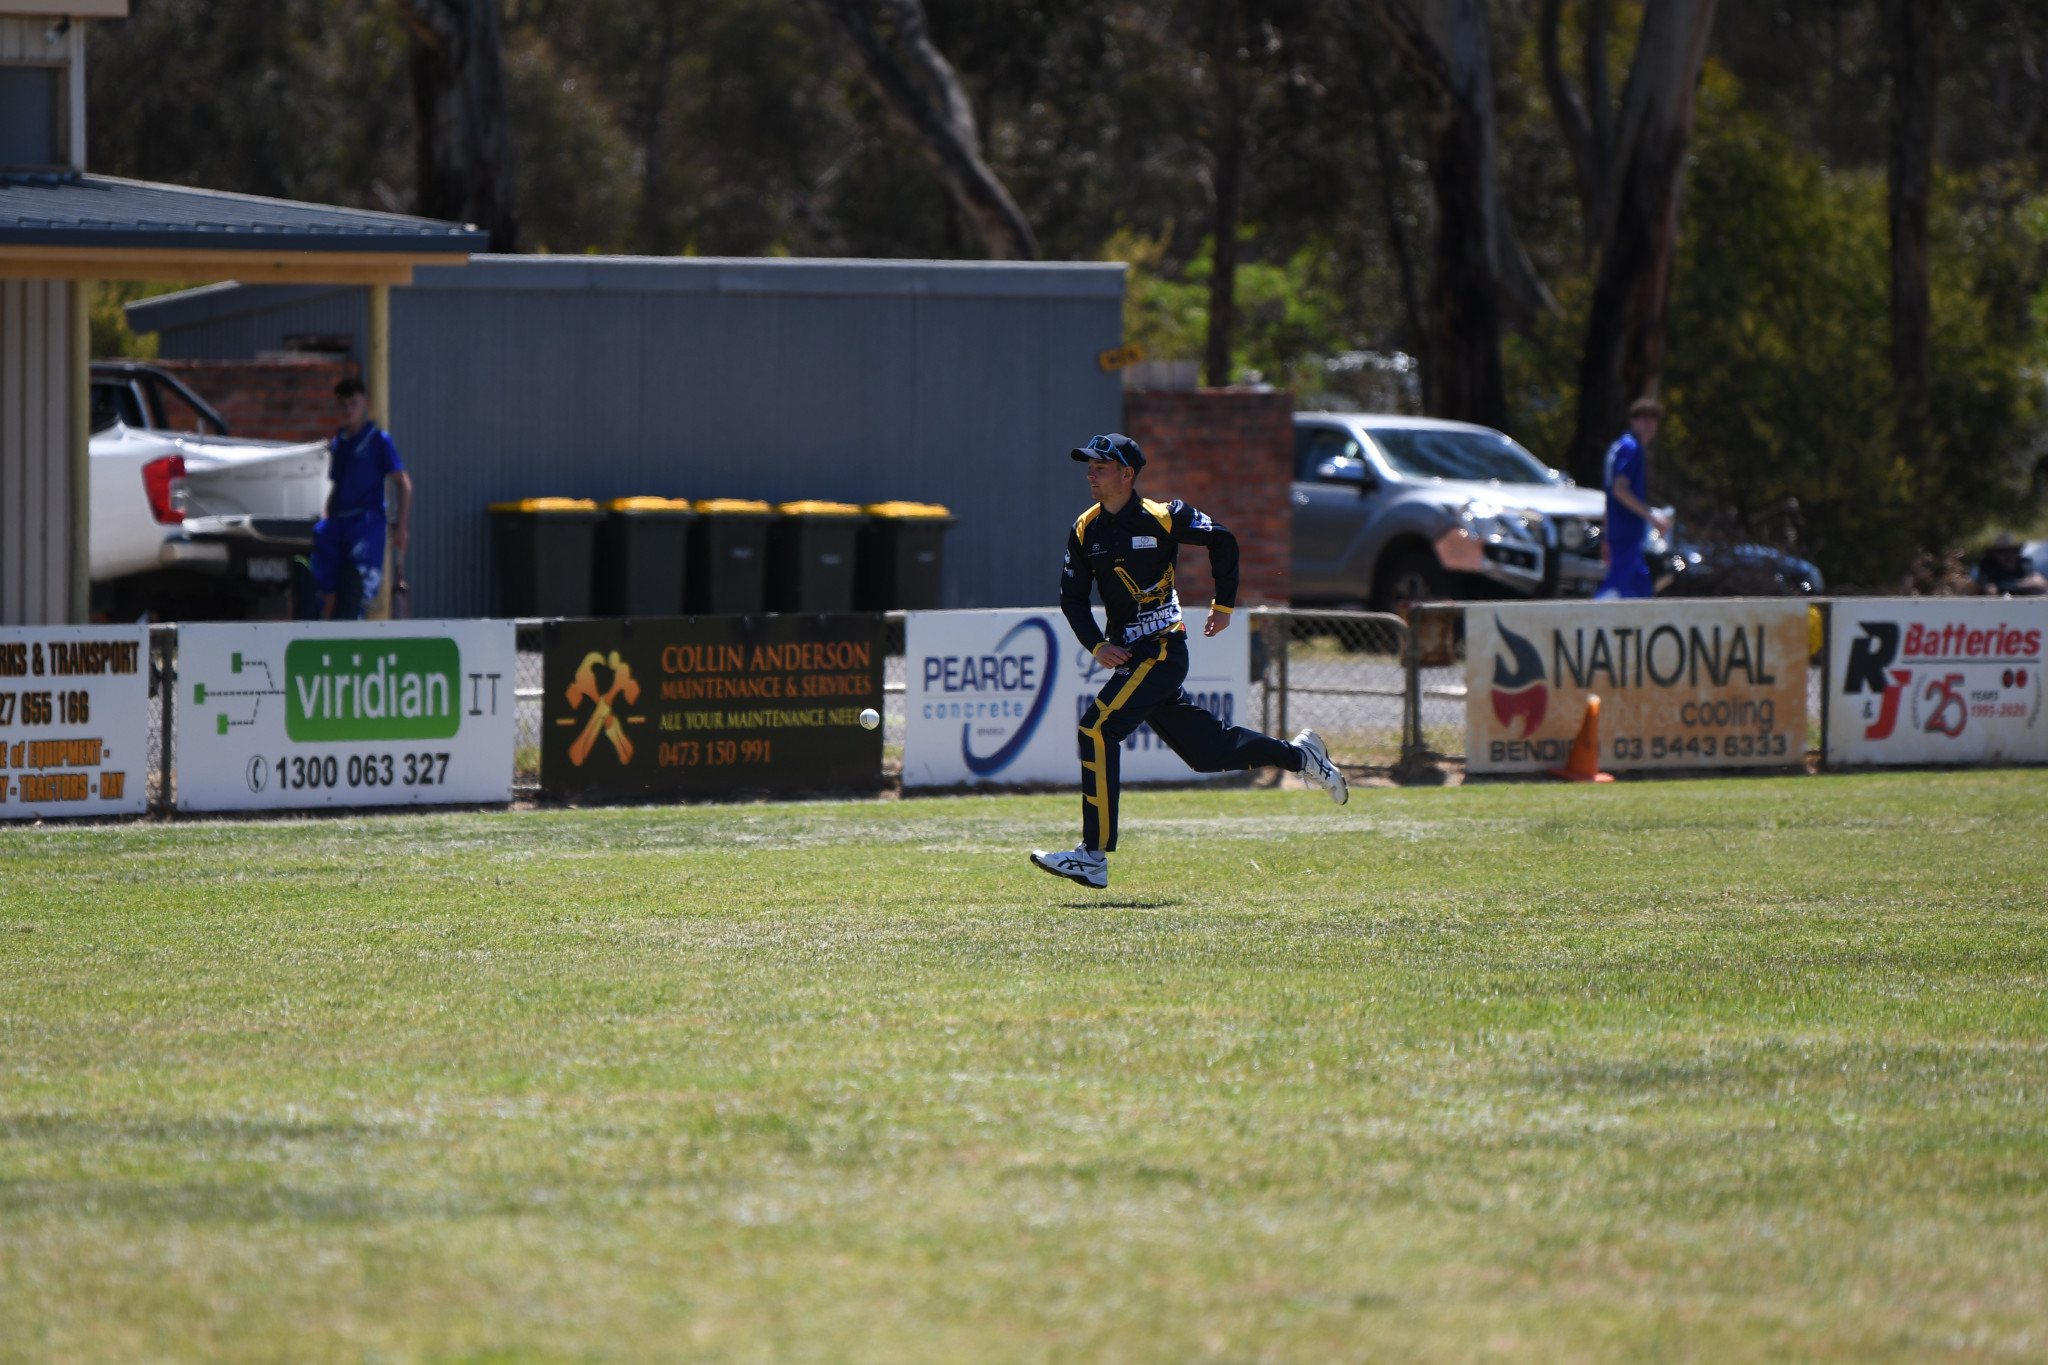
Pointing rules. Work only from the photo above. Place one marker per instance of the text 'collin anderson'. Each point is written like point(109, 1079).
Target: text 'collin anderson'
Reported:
point(1124, 548)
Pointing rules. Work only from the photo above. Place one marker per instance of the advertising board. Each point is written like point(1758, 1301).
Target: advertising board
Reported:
point(74, 721)
point(279, 715)
point(1702, 683)
point(703, 705)
point(1931, 680)
point(995, 696)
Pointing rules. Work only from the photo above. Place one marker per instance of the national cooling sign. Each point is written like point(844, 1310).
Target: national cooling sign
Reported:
point(74, 721)
point(1710, 683)
point(360, 713)
point(1915, 680)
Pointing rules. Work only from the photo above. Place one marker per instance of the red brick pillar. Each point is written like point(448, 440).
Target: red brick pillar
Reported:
point(1229, 452)
point(274, 400)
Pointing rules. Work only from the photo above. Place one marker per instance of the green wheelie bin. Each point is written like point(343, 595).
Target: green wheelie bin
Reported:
point(642, 547)
point(810, 556)
point(728, 554)
point(902, 557)
point(541, 551)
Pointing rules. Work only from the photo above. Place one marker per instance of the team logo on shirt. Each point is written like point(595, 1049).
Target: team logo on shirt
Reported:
point(1521, 690)
point(1158, 606)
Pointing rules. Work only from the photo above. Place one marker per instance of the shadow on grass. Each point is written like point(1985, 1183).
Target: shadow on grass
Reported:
point(1161, 903)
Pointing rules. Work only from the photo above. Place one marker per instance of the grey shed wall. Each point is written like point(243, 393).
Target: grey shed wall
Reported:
point(962, 383)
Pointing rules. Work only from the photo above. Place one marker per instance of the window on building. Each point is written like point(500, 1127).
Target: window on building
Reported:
point(29, 123)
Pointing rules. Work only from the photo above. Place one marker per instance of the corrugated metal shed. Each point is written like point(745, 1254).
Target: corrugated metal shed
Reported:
point(963, 383)
point(37, 426)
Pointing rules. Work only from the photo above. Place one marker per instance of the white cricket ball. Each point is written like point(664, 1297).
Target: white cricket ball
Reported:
point(870, 718)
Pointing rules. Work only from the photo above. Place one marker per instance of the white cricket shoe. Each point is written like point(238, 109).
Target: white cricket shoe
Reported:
point(1087, 866)
point(1318, 768)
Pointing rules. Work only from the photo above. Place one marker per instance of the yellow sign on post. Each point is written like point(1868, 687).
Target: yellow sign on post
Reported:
point(1121, 357)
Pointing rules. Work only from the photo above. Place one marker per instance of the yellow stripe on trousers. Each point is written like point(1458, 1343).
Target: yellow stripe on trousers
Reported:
point(1104, 829)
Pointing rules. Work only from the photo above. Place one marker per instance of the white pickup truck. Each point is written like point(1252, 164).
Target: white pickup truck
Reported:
point(188, 521)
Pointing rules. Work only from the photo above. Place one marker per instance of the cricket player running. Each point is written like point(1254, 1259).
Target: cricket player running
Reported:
point(1124, 547)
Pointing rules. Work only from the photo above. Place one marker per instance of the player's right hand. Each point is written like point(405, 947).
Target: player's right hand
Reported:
point(1111, 656)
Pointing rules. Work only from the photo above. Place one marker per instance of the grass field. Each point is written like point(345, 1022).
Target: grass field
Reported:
point(1710, 1071)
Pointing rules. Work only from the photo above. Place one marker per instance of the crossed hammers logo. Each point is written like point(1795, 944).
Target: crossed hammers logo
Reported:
point(603, 721)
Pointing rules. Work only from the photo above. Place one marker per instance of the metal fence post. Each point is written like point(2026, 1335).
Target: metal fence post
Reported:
point(1417, 765)
point(1286, 631)
point(1411, 700)
point(163, 645)
point(1827, 660)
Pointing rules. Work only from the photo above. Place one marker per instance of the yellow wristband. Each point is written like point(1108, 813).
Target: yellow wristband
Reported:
point(1217, 606)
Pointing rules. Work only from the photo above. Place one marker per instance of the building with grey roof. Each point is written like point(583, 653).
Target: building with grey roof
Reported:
point(957, 382)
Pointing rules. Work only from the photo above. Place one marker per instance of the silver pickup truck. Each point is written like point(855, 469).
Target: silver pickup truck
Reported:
point(188, 521)
point(1390, 509)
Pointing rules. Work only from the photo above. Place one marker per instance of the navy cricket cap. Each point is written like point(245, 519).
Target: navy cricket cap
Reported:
point(1122, 449)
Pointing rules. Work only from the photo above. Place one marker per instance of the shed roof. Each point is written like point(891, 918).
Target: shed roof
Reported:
point(86, 226)
point(680, 275)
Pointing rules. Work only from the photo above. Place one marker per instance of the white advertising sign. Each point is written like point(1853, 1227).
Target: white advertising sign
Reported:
point(996, 696)
point(276, 715)
point(74, 721)
point(1932, 680)
point(1690, 683)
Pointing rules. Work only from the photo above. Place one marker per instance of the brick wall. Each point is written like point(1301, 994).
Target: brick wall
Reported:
point(1229, 452)
point(277, 400)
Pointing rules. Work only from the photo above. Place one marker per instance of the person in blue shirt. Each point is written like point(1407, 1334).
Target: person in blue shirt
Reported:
point(1628, 508)
point(359, 460)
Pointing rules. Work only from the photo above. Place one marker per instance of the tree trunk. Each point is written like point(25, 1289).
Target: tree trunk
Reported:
point(1916, 70)
point(1588, 124)
point(1446, 48)
point(919, 86)
point(652, 121)
point(1397, 231)
point(462, 136)
point(1228, 149)
point(1635, 221)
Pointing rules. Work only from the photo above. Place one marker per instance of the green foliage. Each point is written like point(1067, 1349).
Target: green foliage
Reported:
point(1166, 314)
point(111, 337)
point(1541, 370)
point(1779, 361)
point(1289, 316)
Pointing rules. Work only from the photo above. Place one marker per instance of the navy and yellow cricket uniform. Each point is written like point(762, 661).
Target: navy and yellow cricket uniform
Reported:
point(1128, 556)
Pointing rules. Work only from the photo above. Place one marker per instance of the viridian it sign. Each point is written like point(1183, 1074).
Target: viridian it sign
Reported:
point(376, 688)
point(278, 715)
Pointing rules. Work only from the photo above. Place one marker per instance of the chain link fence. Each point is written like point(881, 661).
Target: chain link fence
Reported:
point(1339, 673)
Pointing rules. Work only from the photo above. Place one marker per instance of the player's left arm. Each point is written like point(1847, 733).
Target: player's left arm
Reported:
point(1191, 527)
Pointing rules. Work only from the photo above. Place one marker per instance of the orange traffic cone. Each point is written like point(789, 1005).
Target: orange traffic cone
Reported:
point(1584, 763)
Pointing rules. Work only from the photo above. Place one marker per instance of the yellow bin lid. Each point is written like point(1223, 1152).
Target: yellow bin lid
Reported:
point(649, 505)
point(731, 505)
point(907, 509)
point(546, 505)
point(818, 509)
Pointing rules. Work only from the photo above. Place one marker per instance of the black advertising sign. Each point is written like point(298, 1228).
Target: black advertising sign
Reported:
point(706, 705)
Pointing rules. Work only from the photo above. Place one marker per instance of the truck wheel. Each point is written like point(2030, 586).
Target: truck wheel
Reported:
point(1414, 577)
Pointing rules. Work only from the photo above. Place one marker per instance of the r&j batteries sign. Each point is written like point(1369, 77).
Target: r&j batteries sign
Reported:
point(996, 696)
point(1915, 680)
point(358, 713)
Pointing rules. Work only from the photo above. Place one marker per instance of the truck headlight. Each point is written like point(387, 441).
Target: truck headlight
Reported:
point(1492, 523)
